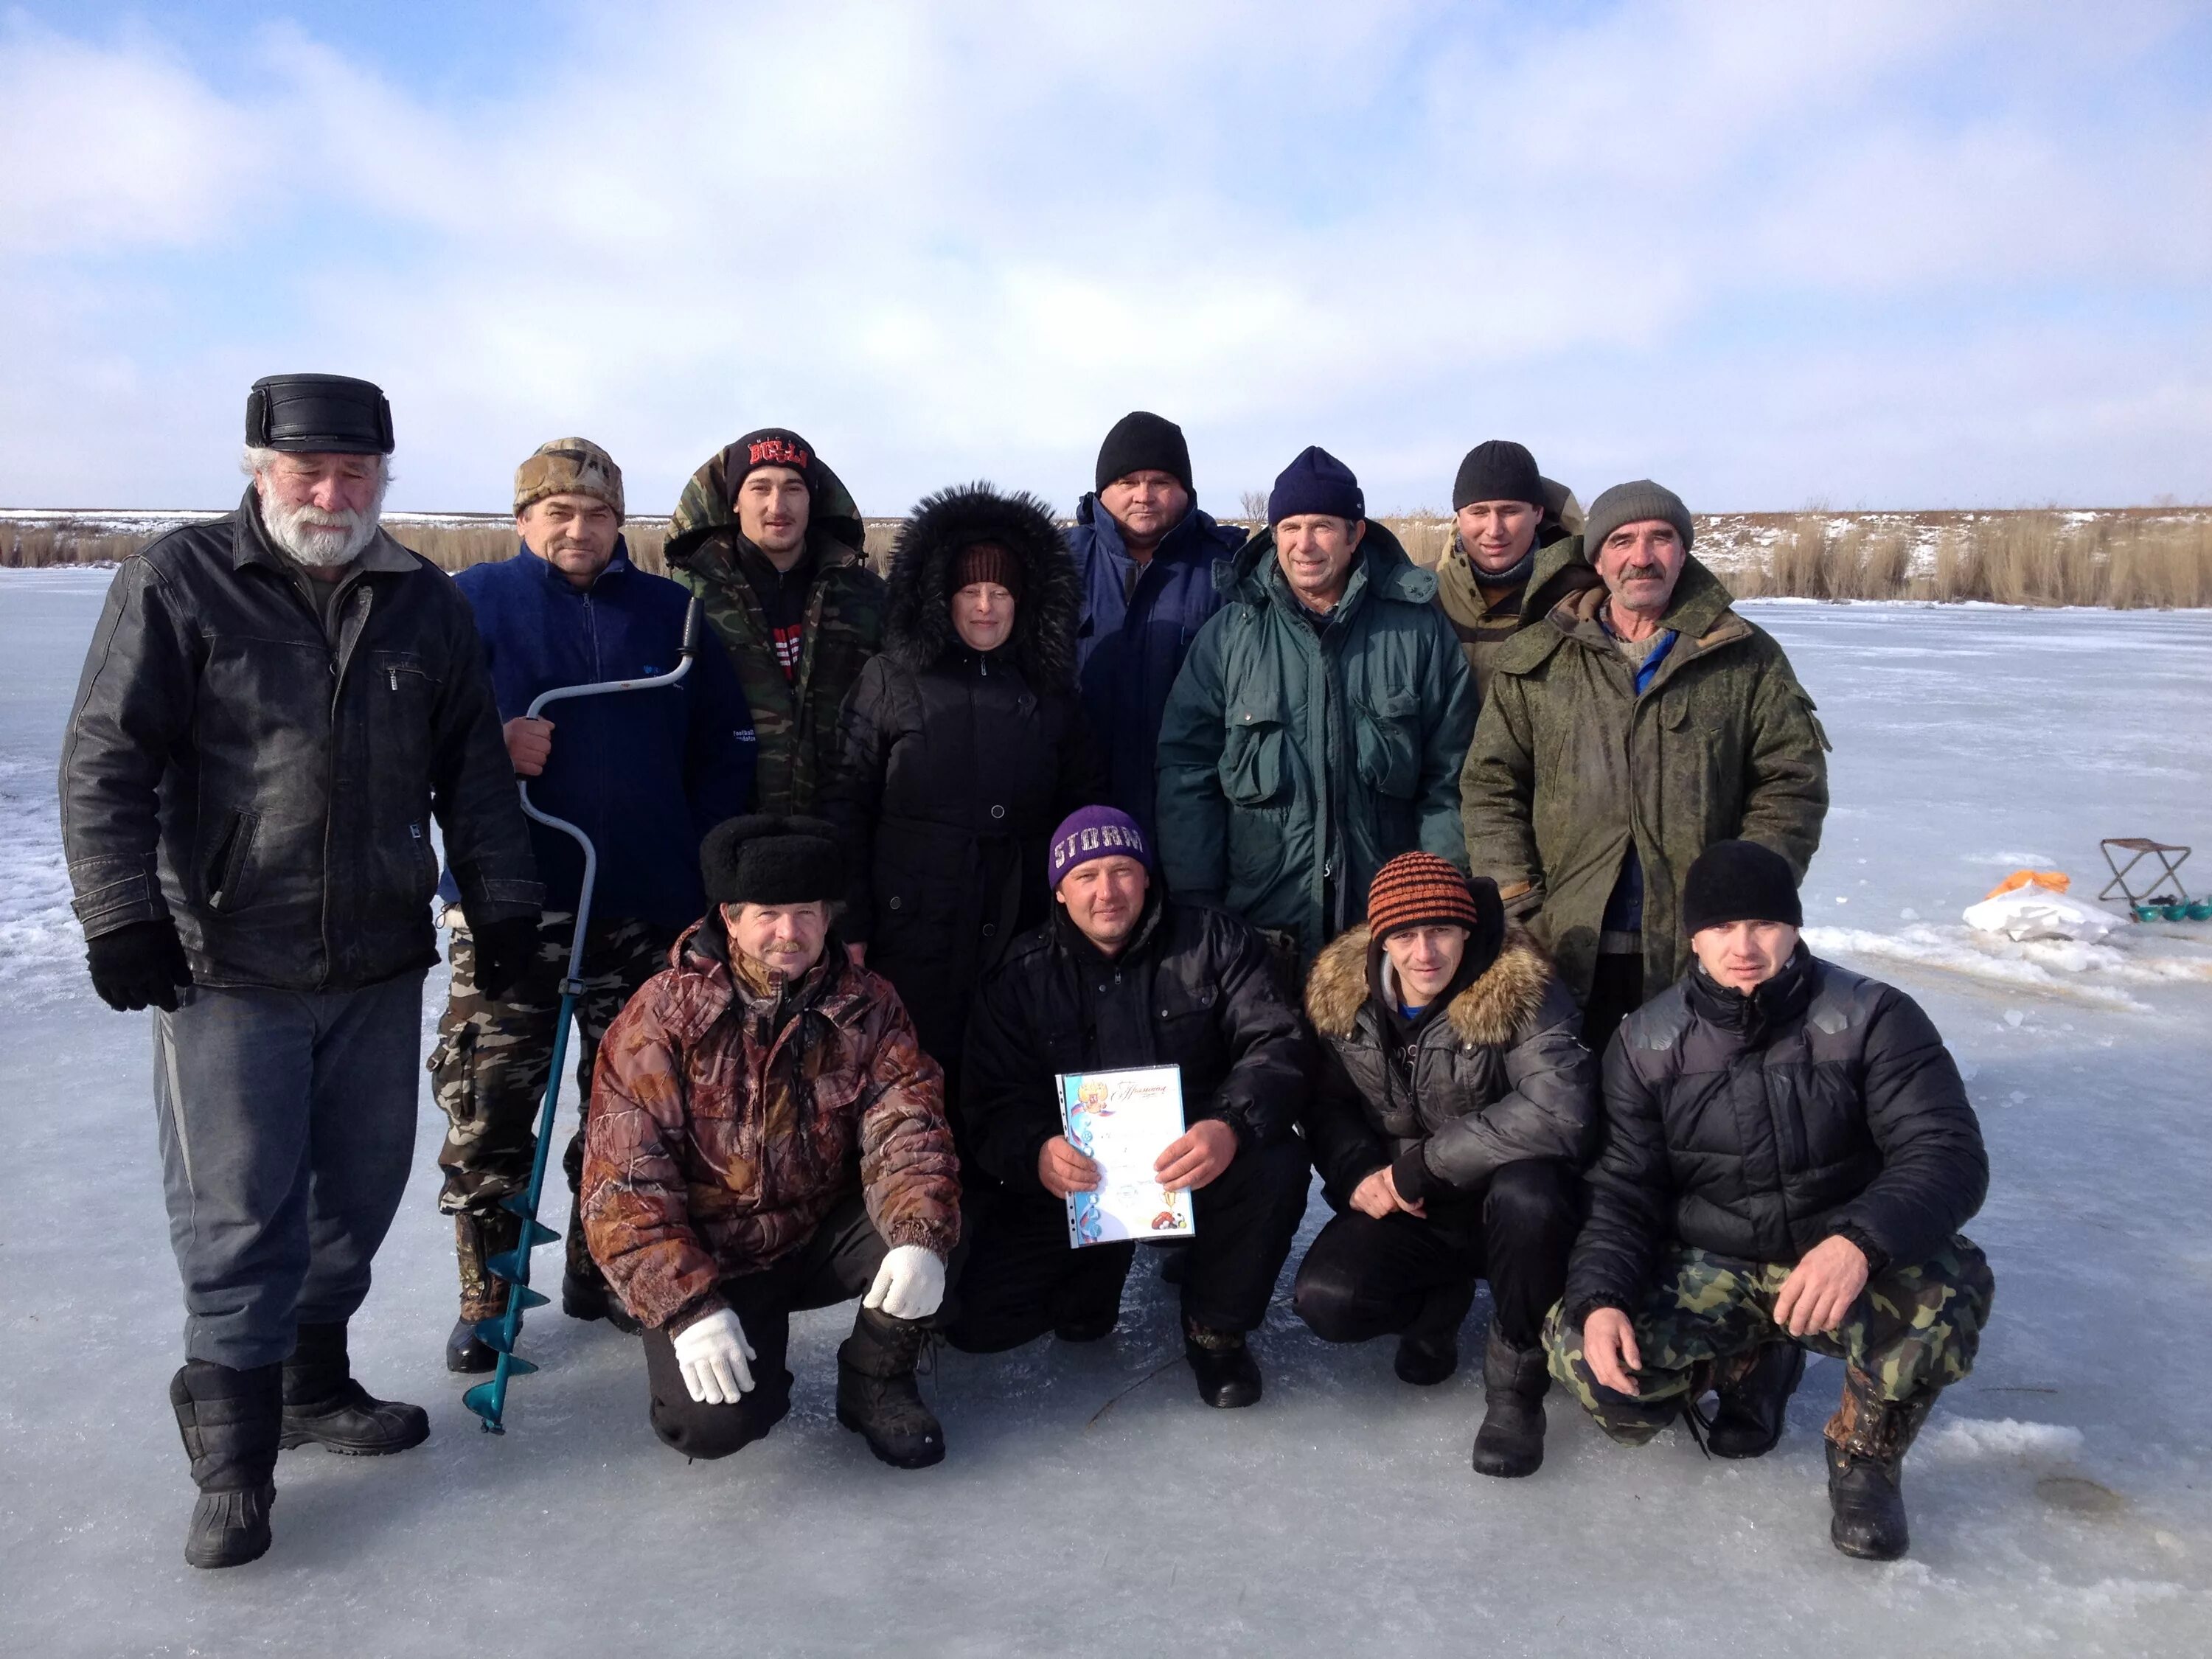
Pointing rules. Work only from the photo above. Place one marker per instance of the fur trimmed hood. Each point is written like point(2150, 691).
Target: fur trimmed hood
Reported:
point(918, 622)
point(1490, 1013)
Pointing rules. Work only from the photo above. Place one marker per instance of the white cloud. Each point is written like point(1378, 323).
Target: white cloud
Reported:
point(947, 243)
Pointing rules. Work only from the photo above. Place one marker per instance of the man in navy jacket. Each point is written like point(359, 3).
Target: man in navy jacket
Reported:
point(644, 774)
point(1147, 555)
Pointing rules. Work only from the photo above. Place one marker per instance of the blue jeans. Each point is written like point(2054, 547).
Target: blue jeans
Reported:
point(287, 1124)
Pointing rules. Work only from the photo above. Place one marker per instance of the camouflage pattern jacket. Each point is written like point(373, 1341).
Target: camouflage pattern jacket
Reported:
point(795, 721)
point(725, 1126)
point(1485, 619)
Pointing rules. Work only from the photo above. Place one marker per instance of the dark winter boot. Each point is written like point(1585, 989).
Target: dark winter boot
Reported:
point(323, 1403)
point(1753, 1402)
point(230, 1421)
point(1867, 1441)
point(476, 1239)
point(1425, 1361)
point(1511, 1442)
point(584, 1292)
point(877, 1397)
point(1228, 1376)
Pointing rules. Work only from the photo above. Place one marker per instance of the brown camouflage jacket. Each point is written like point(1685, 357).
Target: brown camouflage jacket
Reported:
point(724, 1127)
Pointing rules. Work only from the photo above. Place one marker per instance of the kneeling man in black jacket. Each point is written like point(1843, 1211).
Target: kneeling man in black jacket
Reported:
point(1123, 976)
point(1455, 1106)
point(1787, 1155)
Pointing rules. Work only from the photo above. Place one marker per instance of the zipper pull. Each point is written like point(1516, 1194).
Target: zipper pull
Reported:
point(416, 830)
point(392, 675)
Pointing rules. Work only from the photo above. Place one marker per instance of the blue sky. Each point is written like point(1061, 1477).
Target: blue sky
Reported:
point(1867, 254)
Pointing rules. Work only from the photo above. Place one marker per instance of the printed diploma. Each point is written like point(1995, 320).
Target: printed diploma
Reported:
point(1123, 1122)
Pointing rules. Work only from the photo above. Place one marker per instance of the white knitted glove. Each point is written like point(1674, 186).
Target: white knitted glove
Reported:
point(713, 1353)
point(909, 1285)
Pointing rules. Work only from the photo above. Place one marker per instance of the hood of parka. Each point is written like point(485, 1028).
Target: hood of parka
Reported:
point(707, 504)
point(918, 628)
point(1488, 1013)
point(1379, 565)
point(1560, 573)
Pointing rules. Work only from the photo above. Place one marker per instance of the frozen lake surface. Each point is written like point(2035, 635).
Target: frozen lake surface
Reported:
point(2058, 1497)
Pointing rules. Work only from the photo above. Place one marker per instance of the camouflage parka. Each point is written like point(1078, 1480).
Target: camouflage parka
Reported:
point(795, 721)
point(1486, 621)
point(726, 1126)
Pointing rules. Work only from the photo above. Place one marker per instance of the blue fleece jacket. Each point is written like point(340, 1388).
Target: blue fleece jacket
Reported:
point(645, 773)
point(1129, 650)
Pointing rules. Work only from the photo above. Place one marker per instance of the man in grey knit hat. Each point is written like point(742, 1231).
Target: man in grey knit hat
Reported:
point(1636, 724)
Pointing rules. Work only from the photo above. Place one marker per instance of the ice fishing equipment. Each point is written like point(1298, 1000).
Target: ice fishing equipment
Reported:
point(488, 1400)
point(2145, 901)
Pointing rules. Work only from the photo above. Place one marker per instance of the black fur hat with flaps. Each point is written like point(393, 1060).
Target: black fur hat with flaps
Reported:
point(918, 620)
point(763, 857)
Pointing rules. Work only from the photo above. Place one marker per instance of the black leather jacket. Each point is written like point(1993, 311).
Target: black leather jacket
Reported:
point(271, 786)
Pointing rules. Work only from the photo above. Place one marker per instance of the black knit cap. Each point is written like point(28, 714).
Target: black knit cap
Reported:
point(775, 446)
point(764, 858)
point(317, 414)
point(1141, 441)
point(1739, 881)
point(1498, 470)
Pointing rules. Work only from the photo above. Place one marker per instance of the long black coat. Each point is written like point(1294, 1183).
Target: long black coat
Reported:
point(1193, 987)
point(1498, 1075)
point(958, 765)
point(1824, 1103)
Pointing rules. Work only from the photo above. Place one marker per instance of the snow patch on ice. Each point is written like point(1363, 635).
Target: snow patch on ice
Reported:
point(38, 932)
point(1965, 1439)
point(2044, 965)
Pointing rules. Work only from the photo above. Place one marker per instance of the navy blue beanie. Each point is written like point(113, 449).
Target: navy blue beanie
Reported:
point(1316, 483)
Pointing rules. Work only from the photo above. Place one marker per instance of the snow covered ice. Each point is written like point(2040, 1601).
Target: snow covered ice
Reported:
point(2058, 1498)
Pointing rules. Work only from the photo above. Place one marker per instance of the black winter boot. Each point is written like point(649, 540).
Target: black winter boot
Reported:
point(584, 1291)
point(1511, 1442)
point(1228, 1376)
point(476, 1239)
point(1754, 1401)
point(877, 1397)
point(1425, 1361)
point(230, 1421)
point(324, 1405)
point(1867, 1441)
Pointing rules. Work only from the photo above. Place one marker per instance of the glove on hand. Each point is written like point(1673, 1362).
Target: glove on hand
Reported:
point(910, 1285)
point(713, 1353)
point(138, 964)
point(505, 950)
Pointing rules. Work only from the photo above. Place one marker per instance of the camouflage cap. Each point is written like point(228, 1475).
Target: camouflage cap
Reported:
point(568, 466)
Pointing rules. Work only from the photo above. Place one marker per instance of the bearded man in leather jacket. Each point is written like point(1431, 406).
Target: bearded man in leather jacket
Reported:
point(1787, 1157)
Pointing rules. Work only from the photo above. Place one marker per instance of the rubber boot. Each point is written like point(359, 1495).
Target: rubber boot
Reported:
point(1228, 1376)
point(877, 1397)
point(1754, 1401)
point(584, 1290)
point(1510, 1444)
point(324, 1405)
point(476, 1239)
point(230, 1421)
point(1867, 1438)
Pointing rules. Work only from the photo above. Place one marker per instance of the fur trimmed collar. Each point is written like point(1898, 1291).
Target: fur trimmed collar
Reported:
point(918, 617)
point(1489, 1013)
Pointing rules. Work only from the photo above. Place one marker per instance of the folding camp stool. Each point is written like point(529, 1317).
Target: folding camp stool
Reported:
point(2170, 860)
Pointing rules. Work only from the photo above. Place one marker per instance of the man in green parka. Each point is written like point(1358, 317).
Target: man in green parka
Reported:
point(1317, 729)
point(1635, 725)
point(771, 540)
point(1513, 555)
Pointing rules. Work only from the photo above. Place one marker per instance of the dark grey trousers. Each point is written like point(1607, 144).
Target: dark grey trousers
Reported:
point(287, 1125)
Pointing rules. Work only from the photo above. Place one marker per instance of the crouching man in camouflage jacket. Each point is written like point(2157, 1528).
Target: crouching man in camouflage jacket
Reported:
point(1787, 1157)
point(767, 1136)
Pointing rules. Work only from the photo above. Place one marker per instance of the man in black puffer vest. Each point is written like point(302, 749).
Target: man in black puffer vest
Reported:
point(1787, 1157)
point(1453, 1110)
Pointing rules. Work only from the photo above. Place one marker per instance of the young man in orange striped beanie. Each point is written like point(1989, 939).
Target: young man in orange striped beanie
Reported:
point(1453, 1112)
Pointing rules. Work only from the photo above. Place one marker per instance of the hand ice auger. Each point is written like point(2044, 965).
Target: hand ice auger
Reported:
point(488, 1400)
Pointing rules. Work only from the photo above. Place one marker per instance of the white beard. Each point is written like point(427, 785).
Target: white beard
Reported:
point(319, 539)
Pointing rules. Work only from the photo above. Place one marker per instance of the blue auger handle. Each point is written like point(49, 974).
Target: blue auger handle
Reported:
point(488, 1400)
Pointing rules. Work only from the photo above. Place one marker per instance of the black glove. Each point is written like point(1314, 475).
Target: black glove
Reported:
point(505, 950)
point(138, 964)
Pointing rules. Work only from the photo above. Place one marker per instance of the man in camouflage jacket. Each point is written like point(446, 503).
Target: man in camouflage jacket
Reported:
point(767, 1136)
point(770, 539)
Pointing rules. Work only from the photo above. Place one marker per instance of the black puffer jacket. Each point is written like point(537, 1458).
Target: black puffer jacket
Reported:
point(1496, 1075)
point(1756, 1126)
point(1193, 987)
point(958, 764)
point(271, 786)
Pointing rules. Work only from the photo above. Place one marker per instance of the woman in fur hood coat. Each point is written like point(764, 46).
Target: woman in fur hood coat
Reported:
point(1454, 1112)
point(964, 744)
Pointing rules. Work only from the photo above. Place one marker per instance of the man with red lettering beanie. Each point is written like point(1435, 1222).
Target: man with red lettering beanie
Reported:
point(771, 540)
point(1122, 976)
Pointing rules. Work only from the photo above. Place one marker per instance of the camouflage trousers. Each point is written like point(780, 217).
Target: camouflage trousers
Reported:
point(1912, 1332)
point(492, 1059)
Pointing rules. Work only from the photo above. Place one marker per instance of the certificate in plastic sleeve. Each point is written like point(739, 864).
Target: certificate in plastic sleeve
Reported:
point(1123, 1122)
